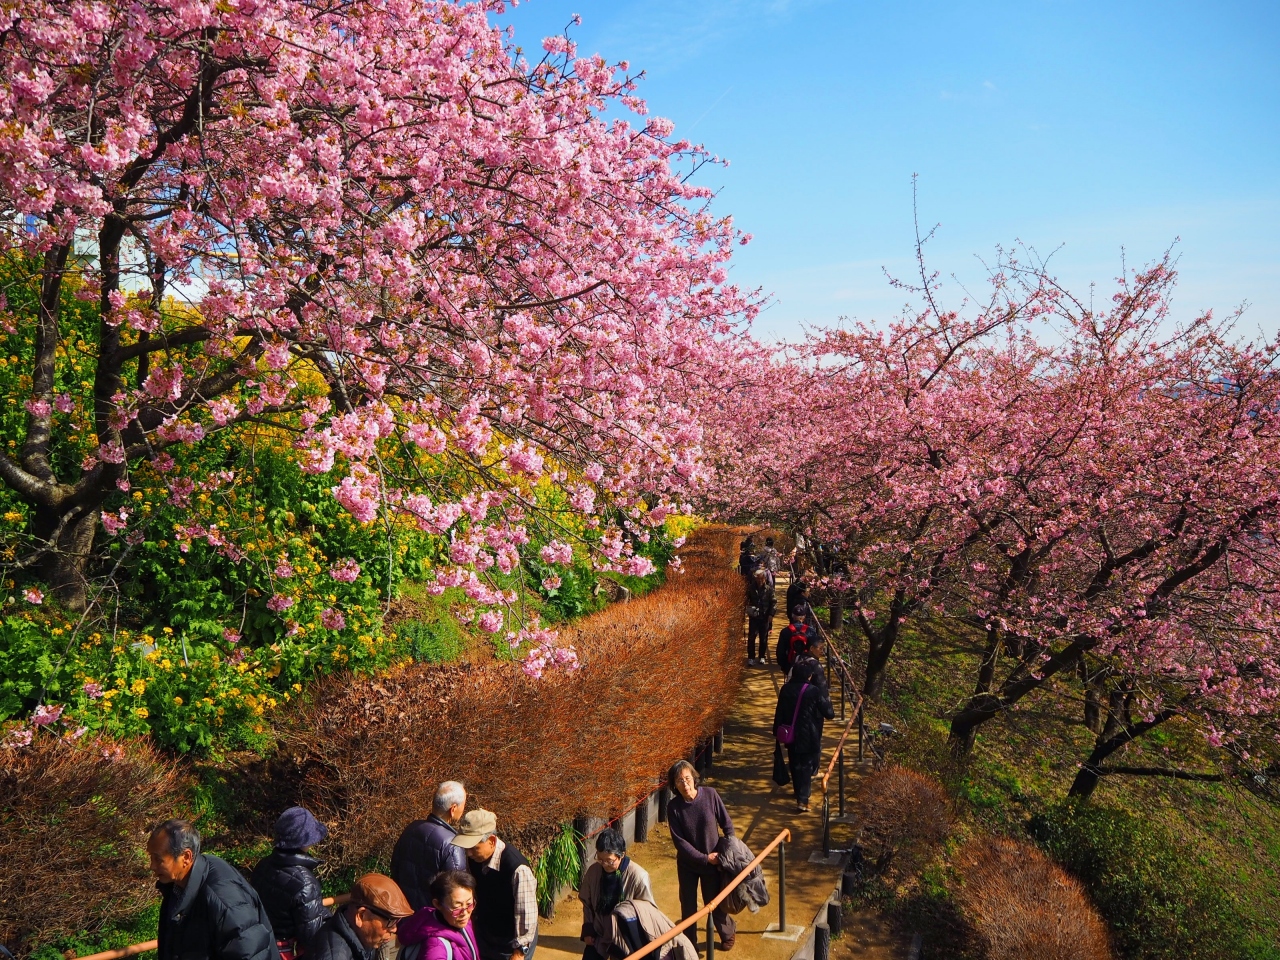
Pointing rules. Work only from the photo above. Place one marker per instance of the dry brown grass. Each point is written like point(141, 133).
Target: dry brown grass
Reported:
point(905, 818)
point(659, 674)
point(1023, 905)
point(73, 820)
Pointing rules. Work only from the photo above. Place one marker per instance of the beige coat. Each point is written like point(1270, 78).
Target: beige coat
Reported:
point(654, 923)
point(635, 886)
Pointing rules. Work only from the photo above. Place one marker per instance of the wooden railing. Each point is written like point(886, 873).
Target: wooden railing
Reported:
point(778, 843)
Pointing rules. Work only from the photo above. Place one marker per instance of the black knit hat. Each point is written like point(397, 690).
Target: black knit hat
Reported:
point(297, 828)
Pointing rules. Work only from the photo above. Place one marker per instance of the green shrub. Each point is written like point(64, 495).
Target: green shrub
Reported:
point(1158, 899)
point(559, 866)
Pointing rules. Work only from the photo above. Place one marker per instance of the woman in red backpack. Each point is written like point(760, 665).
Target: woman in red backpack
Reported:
point(793, 640)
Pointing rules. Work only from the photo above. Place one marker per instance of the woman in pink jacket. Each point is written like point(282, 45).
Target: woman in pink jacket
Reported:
point(444, 928)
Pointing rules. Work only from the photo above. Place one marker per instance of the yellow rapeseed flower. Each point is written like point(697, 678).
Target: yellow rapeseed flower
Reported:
point(178, 701)
point(142, 713)
point(138, 687)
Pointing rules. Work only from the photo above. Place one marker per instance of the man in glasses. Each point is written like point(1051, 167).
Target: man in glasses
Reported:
point(365, 924)
point(506, 917)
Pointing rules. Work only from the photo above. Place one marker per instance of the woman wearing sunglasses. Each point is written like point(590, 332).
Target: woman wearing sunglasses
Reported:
point(443, 929)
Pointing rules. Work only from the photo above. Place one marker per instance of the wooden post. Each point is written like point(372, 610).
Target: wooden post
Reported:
point(837, 614)
point(642, 821)
point(664, 794)
point(821, 942)
point(835, 918)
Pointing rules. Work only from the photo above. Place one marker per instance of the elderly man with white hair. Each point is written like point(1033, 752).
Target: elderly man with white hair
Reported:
point(426, 846)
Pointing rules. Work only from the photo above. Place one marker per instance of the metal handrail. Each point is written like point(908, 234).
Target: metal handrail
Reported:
point(136, 948)
point(835, 754)
point(691, 920)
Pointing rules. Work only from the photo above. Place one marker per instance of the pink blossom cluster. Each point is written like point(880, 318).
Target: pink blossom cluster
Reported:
point(491, 271)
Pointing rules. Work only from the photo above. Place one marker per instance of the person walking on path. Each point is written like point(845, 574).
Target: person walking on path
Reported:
point(695, 817)
point(506, 916)
point(365, 924)
point(804, 704)
point(798, 597)
point(208, 911)
point(793, 641)
point(747, 559)
point(761, 603)
point(286, 882)
point(809, 664)
point(769, 558)
point(443, 928)
point(425, 847)
point(613, 877)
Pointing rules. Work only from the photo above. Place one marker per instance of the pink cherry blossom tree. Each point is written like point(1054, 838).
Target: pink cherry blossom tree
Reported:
point(867, 439)
point(1092, 491)
point(379, 196)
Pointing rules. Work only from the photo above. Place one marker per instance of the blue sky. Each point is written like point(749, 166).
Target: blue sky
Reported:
point(1087, 126)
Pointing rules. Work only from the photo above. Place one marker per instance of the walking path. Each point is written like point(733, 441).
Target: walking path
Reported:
point(760, 809)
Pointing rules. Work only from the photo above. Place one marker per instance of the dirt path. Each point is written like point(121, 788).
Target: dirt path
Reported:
point(759, 809)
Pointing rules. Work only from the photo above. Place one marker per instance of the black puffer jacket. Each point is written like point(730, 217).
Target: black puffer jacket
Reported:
point(338, 940)
point(813, 711)
point(760, 597)
point(423, 850)
point(290, 892)
point(218, 916)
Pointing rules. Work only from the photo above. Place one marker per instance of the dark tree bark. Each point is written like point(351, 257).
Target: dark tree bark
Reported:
point(1092, 771)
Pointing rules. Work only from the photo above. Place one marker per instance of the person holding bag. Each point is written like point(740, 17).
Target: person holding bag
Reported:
point(803, 707)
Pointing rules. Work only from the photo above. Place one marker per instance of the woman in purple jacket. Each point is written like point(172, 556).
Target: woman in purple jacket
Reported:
point(695, 817)
point(444, 927)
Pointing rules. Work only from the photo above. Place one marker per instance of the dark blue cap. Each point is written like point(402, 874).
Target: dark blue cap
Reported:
point(297, 828)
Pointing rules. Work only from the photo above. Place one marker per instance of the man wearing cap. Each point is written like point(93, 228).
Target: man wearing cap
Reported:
point(506, 917)
point(425, 847)
point(365, 924)
point(285, 880)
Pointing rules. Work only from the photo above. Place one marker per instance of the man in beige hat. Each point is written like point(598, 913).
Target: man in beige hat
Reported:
point(506, 917)
point(366, 923)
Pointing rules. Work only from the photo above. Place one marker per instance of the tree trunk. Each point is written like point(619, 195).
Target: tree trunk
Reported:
point(65, 566)
point(879, 647)
point(1091, 772)
point(1094, 689)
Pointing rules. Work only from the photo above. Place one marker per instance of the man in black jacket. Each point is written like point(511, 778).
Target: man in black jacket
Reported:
point(761, 603)
point(426, 848)
point(285, 880)
point(365, 924)
point(804, 753)
point(208, 911)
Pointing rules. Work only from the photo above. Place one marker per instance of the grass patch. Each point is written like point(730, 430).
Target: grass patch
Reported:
point(1177, 868)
